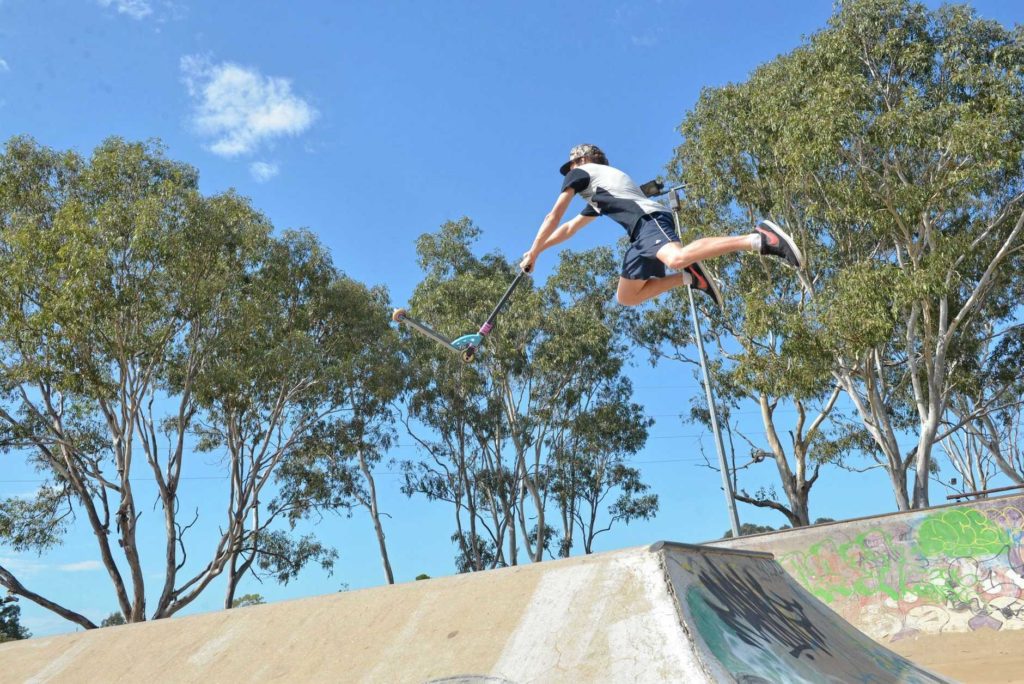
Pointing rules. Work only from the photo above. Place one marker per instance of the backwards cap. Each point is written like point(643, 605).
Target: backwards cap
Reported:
point(579, 152)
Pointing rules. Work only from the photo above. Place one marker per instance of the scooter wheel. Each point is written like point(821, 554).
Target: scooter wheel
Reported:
point(398, 315)
point(468, 354)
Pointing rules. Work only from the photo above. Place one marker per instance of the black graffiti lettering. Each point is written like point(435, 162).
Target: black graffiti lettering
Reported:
point(758, 615)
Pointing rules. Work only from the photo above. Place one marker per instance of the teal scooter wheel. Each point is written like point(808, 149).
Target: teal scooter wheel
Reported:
point(468, 344)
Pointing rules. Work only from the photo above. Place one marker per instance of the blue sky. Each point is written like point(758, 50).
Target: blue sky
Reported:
point(371, 123)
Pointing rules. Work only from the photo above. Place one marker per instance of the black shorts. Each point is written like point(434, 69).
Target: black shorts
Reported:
point(651, 233)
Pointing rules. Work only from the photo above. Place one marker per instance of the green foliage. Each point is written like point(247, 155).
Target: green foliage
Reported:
point(113, 620)
point(248, 600)
point(11, 628)
point(127, 292)
point(323, 472)
point(281, 557)
point(543, 415)
point(891, 144)
point(856, 309)
point(34, 524)
point(587, 464)
point(748, 529)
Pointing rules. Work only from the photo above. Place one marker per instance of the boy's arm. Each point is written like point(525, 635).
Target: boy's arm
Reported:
point(566, 231)
point(547, 227)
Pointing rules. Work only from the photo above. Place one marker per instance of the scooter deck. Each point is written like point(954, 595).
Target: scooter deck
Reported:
point(403, 317)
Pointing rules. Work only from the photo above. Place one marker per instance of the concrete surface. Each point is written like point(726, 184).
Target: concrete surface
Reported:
point(667, 613)
point(969, 657)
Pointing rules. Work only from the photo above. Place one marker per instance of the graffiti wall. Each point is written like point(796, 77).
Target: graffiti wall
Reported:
point(762, 627)
point(951, 569)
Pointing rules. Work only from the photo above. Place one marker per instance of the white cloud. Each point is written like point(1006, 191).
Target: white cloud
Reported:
point(136, 9)
point(28, 567)
point(3, 65)
point(263, 171)
point(239, 108)
point(22, 566)
point(81, 566)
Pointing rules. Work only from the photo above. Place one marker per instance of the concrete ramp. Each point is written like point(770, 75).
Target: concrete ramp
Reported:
point(667, 613)
point(750, 622)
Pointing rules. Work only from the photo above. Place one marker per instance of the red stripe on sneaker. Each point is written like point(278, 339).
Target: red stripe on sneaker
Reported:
point(702, 284)
point(773, 239)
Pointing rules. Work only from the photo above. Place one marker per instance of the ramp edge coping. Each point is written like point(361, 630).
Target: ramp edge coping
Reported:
point(706, 550)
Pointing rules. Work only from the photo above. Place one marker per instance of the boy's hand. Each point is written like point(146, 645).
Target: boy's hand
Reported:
point(528, 260)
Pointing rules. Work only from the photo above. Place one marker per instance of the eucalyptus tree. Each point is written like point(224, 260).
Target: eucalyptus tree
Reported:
point(506, 427)
point(115, 619)
point(894, 140)
point(735, 163)
point(972, 461)
point(332, 467)
point(765, 360)
point(931, 171)
point(593, 426)
point(246, 600)
point(986, 412)
point(142, 322)
point(453, 411)
point(273, 377)
point(11, 628)
point(588, 463)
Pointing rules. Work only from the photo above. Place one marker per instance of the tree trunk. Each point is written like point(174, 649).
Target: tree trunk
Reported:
point(233, 578)
point(872, 408)
point(375, 515)
point(898, 481)
point(922, 464)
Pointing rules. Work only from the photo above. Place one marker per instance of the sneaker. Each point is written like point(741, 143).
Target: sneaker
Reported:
point(775, 242)
point(700, 280)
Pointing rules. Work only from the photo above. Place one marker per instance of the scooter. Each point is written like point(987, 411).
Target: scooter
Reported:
point(466, 345)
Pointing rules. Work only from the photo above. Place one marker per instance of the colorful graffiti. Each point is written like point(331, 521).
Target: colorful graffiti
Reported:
point(762, 627)
point(959, 568)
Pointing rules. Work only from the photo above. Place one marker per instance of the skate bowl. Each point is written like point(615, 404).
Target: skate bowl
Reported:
point(948, 569)
point(668, 612)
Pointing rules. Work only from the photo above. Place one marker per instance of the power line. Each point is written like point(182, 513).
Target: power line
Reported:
point(224, 477)
point(687, 459)
point(130, 479)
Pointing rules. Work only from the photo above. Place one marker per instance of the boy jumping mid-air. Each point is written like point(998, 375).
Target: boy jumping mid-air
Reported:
point(653, 242)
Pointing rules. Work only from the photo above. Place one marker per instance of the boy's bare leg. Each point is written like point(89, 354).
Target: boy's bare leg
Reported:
point(634, 292)
point(678, 256)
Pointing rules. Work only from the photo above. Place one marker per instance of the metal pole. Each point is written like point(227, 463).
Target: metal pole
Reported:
point(730, 501)
point(713, 411)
